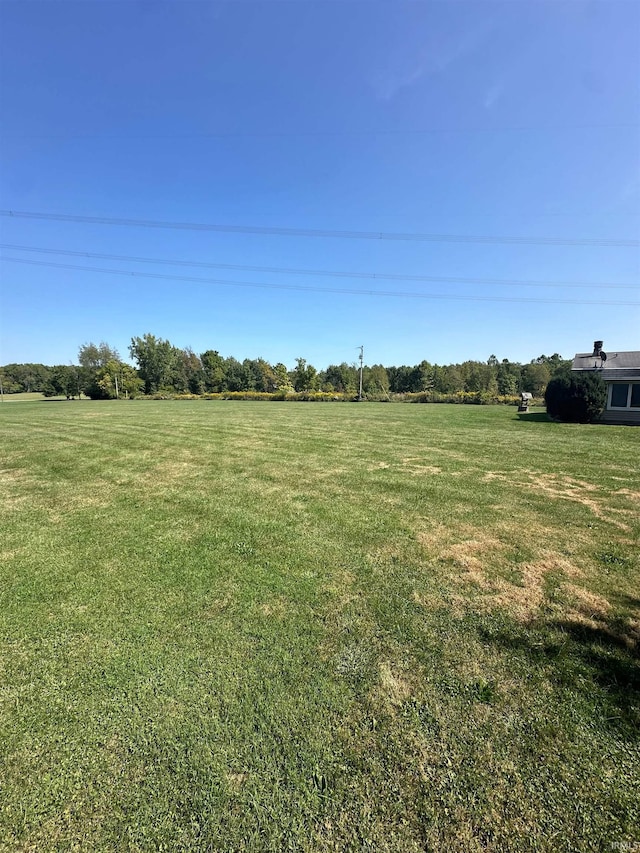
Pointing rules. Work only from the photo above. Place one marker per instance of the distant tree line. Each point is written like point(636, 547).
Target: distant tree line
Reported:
point(162, 367)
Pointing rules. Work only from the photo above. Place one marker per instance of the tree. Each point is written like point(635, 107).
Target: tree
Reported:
point(236, 377)
point(117, 379)
point(554, 361)
point(508, 377)
point(259, 375)
point(447, 378)
point(400, 379)
point(26, 377)
point(577, 397)
point(64, 382)
point(155, 358)
point(304, 376)
point(9, 385)
point(263, 375)
point(93, 355)
point(92, 358)
point(282, 380)
point(187, 371)
point(341, 377)
point(213, 370)
point(534, 377)
point(477, 376)
point(113, 380)
point(375, 380)
point(423, 376)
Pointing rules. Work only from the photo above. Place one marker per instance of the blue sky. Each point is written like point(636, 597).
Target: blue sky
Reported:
point(511, 119)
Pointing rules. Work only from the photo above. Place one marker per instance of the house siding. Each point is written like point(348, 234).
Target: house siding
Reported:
point(629, 417)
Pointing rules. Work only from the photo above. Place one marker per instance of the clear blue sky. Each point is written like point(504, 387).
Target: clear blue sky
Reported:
point(517, 119)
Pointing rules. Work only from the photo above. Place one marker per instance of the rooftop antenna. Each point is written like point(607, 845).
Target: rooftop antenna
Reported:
point(361, 357)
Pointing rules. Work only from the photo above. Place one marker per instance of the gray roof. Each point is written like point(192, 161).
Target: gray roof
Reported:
point(619, 365)
point(613, 375)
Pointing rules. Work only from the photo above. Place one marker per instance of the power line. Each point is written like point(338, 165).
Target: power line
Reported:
point(322, 273)
point(317, 232)
point(327, 133)
point(301, 288)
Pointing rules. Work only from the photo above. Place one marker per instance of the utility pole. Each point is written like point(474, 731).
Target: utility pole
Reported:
point(361, 363)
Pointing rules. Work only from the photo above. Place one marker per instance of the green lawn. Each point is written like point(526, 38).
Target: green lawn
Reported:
point(25, 397)
point(31, 397)
point(280, 626)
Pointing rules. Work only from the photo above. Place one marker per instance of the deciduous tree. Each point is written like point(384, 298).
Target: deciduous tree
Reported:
point(155, 358)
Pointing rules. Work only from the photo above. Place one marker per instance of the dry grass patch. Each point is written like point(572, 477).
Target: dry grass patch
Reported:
point(395, 686)
point(428, 601)
point(635, 496)
point(433, 539)
point(562, 487)
point(483, 558)
point(588, 601)
point(237, 780)
point(276, 608)
point(523, 600)
point(474, 554)
point(593, 611)
point(340, 592)
point(415, 465)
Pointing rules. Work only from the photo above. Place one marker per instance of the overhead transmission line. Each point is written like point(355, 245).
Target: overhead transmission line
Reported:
point(303, 289)
point(328, 132)
point(328, 233)
point(322, 273)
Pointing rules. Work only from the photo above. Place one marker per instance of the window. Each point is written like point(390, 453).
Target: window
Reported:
point(624, 395)
point(619, 394)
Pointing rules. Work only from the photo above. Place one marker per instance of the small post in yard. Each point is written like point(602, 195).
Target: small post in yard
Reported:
point(1, 390)
point(361, 363)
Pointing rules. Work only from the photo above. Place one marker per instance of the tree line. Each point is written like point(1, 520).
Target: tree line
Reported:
point(162, 367)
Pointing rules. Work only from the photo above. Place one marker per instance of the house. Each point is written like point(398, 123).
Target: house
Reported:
point(621, 373)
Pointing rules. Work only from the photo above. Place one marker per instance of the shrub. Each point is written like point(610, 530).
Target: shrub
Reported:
point(576, 397)
point(476, 398)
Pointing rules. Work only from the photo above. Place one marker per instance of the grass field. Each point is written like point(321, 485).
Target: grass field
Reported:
point(32, 397)
point(272, 627)
point(25, 397)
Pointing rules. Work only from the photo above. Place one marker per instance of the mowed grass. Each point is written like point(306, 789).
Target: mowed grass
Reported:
point(270, 626)
point(26, 397)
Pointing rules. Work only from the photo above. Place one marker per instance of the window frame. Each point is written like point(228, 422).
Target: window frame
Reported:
point(627, 407)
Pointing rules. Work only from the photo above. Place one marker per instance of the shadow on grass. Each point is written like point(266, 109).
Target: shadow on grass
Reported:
point(598, 660)
point(534, 417)
point(624, 601)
